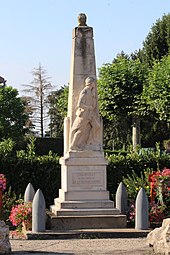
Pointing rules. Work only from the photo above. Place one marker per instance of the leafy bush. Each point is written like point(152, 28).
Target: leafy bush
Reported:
point(134, 183)
point(6, 147)
point(134, 162)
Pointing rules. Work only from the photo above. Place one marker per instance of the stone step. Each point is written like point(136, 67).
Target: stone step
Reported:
point(84, 211)
point(87, 234)
point(85, 222)
point(96, 204)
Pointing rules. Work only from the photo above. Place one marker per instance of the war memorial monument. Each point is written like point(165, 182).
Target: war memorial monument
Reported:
point(83, 200)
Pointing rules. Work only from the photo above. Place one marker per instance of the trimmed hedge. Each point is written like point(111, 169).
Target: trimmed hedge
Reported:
point(43, 145)
point(42, 174)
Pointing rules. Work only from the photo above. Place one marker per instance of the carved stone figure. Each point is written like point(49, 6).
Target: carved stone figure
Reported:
point(82, 19)
point(86, 126)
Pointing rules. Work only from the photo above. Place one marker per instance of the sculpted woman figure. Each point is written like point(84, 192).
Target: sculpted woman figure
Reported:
point(86, 127)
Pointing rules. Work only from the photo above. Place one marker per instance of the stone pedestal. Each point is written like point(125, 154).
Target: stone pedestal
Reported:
point(83, 200)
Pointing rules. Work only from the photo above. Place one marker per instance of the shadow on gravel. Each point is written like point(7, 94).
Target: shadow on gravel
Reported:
point(39, 253)
point(137, 252)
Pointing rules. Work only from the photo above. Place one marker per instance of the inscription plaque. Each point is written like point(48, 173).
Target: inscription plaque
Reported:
point(87, 180)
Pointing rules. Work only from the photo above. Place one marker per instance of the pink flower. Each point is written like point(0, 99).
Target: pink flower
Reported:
point(21, 213)
point(166, 172)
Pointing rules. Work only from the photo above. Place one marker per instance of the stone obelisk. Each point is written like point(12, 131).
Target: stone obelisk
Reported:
point(83, 200)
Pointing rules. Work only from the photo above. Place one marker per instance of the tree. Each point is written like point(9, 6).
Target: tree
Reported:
point(120, 87)
point(157, 42)
point(155, 47)
point(39, 90)
point(158, 89)
point(13, 117)
point(58, 101)
point(29, 110)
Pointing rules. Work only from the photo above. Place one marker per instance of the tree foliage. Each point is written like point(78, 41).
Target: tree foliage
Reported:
point(58, 101)
point(120, 86)
point(157, 42)
point(157, 92)
point(12, 114)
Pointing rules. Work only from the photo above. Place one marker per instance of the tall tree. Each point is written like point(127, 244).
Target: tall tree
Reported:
point(120, 87)
point(39, 90)
point(13, 117)
point(157, 42)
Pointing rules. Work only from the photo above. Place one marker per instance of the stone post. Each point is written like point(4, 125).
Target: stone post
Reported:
point(141, 215)
point(38, 212)
point(121, 198)
point(29, 193)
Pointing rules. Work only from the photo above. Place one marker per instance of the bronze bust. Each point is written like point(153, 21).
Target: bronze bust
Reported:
point(82, 20)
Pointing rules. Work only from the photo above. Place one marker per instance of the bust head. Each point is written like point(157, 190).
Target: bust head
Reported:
point(82, 20)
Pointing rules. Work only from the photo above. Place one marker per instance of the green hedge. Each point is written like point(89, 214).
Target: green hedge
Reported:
point(43, 145)
point(42, 174)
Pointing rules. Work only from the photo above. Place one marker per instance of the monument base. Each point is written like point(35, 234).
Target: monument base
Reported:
point(86, 222)
point(83, 200)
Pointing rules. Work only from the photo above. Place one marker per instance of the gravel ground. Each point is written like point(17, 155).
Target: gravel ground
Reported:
point(136, 246)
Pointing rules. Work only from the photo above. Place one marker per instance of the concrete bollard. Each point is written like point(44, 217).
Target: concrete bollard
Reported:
point(38, 212)
point(29, 193)
point(141, 207)
point(121, 198)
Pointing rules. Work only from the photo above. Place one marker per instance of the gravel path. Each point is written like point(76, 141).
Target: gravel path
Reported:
point(136, 246)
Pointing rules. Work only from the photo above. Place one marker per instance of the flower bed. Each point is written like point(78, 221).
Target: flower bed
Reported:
point(157, 187)
point(159, 195)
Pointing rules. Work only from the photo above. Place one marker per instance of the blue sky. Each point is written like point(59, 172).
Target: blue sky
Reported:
point(40, 31)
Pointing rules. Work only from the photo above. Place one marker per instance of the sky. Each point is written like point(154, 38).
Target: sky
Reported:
point(40, 31)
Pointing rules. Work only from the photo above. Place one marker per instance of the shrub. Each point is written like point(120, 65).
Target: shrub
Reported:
point(9, 199)
point(138, 162)
point(157, 187)
point(134, 183)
